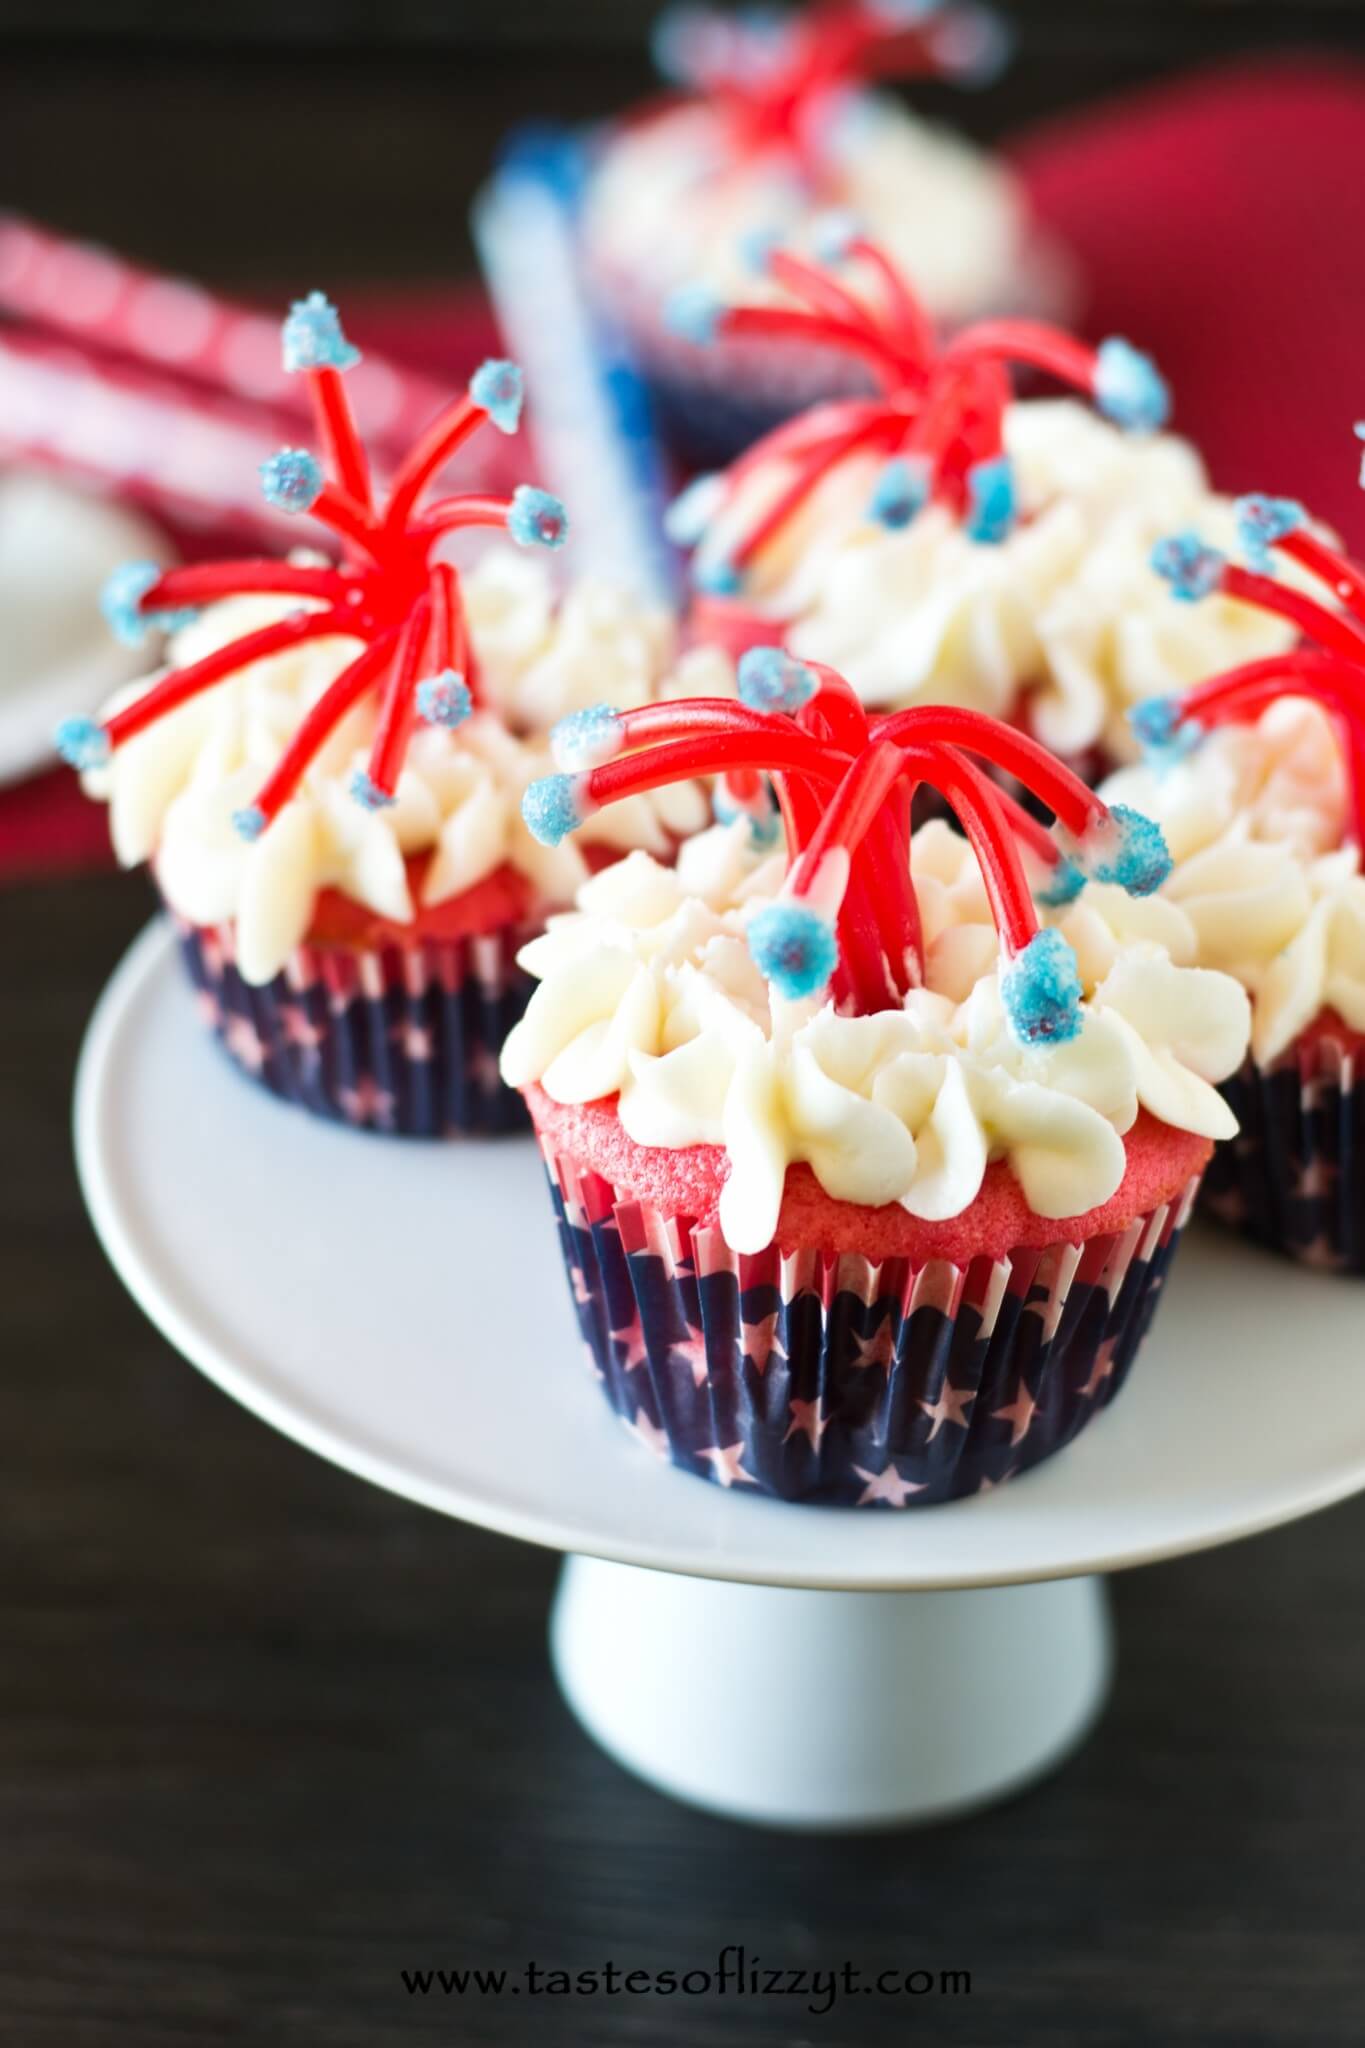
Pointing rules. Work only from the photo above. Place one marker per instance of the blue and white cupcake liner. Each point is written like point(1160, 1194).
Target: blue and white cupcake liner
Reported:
point(827, 1378)
point(402, 1040)
point(1292, 1179)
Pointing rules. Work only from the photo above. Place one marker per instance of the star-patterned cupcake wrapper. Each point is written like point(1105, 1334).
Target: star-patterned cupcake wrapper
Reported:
point(829, 1379)
point(1293, 1179)
point(403, 1040)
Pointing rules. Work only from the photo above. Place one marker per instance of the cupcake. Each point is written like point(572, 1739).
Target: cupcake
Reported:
point(943, 542)
point(865, 1192)
point(771, 126)
point(1256, 776)
point(326, 778)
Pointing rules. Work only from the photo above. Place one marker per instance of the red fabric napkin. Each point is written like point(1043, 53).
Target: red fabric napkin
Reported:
point(1217, 221)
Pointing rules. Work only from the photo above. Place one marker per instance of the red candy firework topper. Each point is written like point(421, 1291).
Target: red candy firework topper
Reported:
point(389, 591)
point(1332, 672)
point(777, 80)
point(936, 417)
point(847, 915)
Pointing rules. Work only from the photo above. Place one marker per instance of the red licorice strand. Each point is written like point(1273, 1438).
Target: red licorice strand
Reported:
point(442, 439)
point(1346, 578)
point(441, 599)
point(815, 467)
point(705, 718)
point(348, 517)
point(785, 752)
point(819, 428)
point(206, 582)
point(911, 326)
point(862, 980)
point(800, 805)
point(1016, 753)
point(785, 323)
point(744, 786)
point(181, 684)
point(1030, 831)
point(870, 979)
point(450, 515)
point(340, 437)
point(321, 722)
point(849, 816)
point(1305, 665)
point(826, 43)
point(975, 801)
point(960, 423)
point(836, 711)
point(398, 706)
point(1340, 635)
point(1033, 342)
point(891, 892)
point(823, 295)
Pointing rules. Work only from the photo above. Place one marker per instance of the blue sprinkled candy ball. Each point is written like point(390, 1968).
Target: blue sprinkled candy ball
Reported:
point(770, 679)
point(552, 808)
point(793, 948)
point(1133, 853)
point(1187, 562)
point(291, 479)
point(444, 699)
point(1129, 389)
point(1041, 991)
point(537, 519)
point(586, 738)
point(499, 387)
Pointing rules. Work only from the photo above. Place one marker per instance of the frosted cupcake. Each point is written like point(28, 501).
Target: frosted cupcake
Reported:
point(1257, 779)
point(326, 779)
point(771, 126)
point(866, 1192)
point(941, 541)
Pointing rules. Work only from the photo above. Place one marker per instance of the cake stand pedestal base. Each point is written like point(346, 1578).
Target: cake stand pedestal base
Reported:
point(829, 1710)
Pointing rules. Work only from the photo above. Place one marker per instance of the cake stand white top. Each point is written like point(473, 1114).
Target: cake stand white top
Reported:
point(401, 1309)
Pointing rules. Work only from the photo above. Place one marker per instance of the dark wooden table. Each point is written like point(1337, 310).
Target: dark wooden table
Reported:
point(269, 1738)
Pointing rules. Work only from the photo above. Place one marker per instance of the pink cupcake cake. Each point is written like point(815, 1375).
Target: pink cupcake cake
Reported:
point(773, 125)
point(866, 1192)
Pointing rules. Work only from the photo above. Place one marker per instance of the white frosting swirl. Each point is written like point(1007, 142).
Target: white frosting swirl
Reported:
point(1266, 888)
point(668, 204)
point(172, 789)
point(1067, 608)
point(648, 992)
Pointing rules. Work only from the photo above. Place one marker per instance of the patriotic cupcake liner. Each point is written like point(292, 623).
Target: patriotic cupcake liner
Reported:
point(1292, 1178)
point(825, 1378)
point(403, 1040)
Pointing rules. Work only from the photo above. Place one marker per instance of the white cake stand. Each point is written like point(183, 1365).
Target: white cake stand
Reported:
point(401, 1309)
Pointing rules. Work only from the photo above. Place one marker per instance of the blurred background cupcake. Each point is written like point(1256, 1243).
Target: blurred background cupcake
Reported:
point(771, 123)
